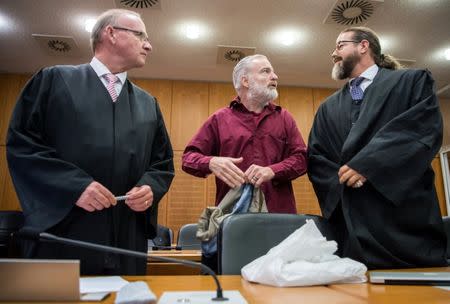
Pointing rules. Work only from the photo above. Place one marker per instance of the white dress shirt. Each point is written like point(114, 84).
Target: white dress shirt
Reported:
point(369, 75)
point(101, 70)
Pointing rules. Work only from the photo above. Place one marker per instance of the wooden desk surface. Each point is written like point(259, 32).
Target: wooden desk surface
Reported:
point(253, 293)
point(379, 293)
point(261, 294)
point(339, 294)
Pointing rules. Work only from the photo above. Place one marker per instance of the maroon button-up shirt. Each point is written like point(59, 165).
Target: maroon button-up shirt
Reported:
point(270, 138)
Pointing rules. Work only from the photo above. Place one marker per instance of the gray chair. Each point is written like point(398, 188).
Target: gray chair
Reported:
point(163, 239)
point(186, 237)
point(244, 237)
point(446, 220)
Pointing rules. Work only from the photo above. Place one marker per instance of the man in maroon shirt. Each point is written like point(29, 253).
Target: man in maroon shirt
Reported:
point(251, 141)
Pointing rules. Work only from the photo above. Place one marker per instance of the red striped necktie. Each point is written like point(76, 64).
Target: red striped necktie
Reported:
point(111, 86)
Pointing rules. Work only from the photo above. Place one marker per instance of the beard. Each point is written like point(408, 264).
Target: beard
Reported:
point(344, 68)
point(261, 93)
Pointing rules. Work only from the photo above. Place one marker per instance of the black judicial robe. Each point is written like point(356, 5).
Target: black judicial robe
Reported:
point(393, 220)
point(66, 132)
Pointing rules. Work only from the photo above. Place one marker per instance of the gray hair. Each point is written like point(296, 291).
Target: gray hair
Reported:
point(242, 68)
point(107, 18)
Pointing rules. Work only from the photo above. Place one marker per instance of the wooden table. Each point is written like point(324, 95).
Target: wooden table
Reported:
point(379, 293)
point(337, 294)
point(155, 267)
point(261, 294)
point(253, 293)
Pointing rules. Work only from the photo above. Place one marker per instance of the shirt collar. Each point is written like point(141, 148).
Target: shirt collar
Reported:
point(369, 73)
point(100, 69)
point(237, 104)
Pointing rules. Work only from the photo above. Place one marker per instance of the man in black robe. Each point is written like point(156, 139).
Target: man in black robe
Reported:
point(370, 152)
point(76, 140)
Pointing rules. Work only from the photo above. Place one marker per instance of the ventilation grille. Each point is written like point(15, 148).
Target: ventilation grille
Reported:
point(138, 4)
point(57, 45)
point(352, 12)
point(232, 54)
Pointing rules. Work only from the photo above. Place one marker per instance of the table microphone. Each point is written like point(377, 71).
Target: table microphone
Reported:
point(33, 234)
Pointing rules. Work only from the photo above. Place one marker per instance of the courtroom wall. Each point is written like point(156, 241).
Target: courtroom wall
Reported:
point(185, 106)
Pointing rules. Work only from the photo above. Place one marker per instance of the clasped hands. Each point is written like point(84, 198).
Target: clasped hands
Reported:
point(226, 170)
point(351, 177)
point(97, 197)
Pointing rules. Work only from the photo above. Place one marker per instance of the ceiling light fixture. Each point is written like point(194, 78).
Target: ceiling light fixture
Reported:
point(192, 31)
point(5, 23)
point(447, 54)
point(89, 24)
point(387, 43)
point(2, 21)
point(286, 37)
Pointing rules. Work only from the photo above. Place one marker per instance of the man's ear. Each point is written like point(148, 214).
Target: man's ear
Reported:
point(244, 81)
point(109, 34)
point(364, 46)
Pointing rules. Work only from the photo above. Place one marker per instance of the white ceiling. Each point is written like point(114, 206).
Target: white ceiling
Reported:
point(409, 29)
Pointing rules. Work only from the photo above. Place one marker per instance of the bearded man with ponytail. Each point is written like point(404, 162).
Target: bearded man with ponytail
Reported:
point(369, 158)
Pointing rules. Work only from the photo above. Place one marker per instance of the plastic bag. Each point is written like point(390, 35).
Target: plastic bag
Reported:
point(304, 258)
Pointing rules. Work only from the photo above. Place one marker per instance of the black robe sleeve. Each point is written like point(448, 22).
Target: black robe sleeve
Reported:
point(397, 158)
point(324, 150)
point(160, 172)
point(393, 221)
point(396, 137)
point(34, 166)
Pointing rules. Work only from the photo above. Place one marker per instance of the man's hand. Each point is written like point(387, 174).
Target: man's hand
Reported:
point(95, 197)
point(350, 177)
point(257, 175)
point(140, 198)
point(226, 170)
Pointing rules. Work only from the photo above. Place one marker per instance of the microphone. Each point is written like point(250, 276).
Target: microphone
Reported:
point(30, 233)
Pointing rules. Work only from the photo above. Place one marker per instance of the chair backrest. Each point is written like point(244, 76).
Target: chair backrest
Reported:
point(244, 237)
point(186, 237)
point(164, 238)
point(10, 221)
point(446, 220)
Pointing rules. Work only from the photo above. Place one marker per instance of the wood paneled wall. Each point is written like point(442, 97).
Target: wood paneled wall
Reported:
point(185, 106)
point(445, 109)
point(10, 87)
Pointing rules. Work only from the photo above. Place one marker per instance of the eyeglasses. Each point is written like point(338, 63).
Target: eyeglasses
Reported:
point(340, 44)
point(140, 35)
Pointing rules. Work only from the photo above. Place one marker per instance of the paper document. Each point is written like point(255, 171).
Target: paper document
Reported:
point(92, 297)
point(101, 284)
point(200, 297)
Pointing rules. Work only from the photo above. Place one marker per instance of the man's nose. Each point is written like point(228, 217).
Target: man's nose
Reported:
point(148, 46)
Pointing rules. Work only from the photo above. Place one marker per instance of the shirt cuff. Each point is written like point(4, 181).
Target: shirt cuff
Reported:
point(203, 164)
point(277, 169)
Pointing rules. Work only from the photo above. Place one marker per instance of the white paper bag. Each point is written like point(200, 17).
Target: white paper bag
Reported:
point(304, 258)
